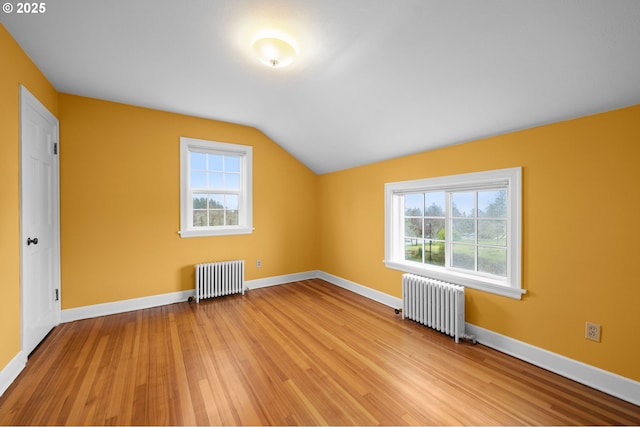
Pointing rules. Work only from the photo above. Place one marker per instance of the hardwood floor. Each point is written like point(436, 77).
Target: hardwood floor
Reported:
point(303, 353)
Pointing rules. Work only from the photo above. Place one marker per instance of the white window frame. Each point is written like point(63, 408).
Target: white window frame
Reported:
point(245, 202)
point(510, 178)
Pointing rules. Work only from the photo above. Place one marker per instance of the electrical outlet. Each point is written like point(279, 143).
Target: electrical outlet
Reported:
point(592, 331)
point(258, 263)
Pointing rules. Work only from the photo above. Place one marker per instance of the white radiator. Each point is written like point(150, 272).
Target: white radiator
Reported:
point(215, 279)
point(436, 304)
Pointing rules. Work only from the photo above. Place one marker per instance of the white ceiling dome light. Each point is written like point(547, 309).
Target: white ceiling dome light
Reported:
point(274, 51)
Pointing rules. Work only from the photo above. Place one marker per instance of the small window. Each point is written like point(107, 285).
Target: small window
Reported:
point(215, 188)
point(462, 228)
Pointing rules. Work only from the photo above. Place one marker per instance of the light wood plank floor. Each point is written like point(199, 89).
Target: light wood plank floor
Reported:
point(303, 353)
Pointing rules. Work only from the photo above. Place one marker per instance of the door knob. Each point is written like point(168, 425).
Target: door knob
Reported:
point(30, 241)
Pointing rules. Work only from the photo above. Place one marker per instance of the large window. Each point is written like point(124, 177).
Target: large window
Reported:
point(462, 228)
point(215, 188)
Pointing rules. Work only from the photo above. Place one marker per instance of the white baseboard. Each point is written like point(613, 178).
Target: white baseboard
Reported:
point(90, 311)
point(359, 289)
point(280, 280)
point(610, 383)
point(10, 372)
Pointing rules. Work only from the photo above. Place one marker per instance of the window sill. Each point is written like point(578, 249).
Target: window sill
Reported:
point(227, 231)
point(459, 278)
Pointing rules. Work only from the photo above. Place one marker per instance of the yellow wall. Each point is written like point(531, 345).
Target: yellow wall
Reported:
point(120, 209)
point(580, 240)
point(16, 69)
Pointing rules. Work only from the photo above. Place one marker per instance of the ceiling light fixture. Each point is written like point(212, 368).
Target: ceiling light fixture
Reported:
point(274, 52)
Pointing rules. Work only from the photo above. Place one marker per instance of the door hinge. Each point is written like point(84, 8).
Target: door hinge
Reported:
point(55, 148)
point(57, 295)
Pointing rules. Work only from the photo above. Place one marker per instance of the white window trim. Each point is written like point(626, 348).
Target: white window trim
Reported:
point(245, 218)
point(394, 245)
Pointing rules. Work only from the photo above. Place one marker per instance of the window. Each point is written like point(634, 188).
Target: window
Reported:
point(215, 188)
point(464, 229)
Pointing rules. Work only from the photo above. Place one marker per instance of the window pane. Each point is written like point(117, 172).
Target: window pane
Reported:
point(492, 204)
point(198, 160)
point(231, 202)
point(463, 204)
point(413, 250)
point(232, 181)
point(216, 201)
point(199, 201)
point(463, 256)
point(232, 217)
point(215, 180)
point(216, 218)
point(413, 227)
point(492, 232)
point(198, 179)
point(231, 164)
point(434, 204)
point(463, 230)
point(434, 229)
point(434, 253)
point(492, 260)
point(215, 162)
point(199, 218)
point(413, 204)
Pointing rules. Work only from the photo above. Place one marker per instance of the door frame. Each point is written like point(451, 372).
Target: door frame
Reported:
point(27, 99)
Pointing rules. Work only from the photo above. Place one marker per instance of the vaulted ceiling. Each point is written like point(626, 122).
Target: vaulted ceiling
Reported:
point(374, 79)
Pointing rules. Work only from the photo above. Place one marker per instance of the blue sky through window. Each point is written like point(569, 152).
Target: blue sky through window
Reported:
point(214, 171)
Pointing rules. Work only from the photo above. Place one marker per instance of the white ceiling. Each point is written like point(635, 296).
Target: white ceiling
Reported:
point(374, 79)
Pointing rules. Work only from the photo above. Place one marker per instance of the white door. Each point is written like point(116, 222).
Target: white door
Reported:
point(39, 220)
